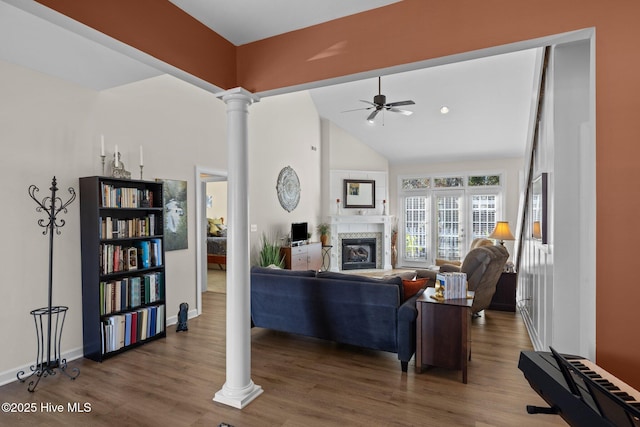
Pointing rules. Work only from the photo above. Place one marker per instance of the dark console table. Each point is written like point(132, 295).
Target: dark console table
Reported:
point(443, 332)
point(505, 297)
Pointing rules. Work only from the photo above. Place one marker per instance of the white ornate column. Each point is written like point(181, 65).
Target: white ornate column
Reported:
point(238, 390)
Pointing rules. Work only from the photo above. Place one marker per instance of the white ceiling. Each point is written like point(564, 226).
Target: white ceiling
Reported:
point(489, 98)
point(245, 21)
point(489, 101)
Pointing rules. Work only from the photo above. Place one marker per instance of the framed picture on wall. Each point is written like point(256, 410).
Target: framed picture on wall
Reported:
point(539, 208)
point(359, 193)
point(175, 214)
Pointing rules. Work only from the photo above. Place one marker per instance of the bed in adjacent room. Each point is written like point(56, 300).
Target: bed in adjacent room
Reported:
point(217, 242)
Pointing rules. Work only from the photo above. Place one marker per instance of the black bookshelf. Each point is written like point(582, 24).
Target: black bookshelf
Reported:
point(121, 286)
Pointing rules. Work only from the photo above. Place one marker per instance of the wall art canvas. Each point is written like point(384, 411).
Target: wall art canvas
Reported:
point(174, 197)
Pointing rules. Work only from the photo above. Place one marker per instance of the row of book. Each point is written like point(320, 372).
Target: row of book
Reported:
point(143, 254)
point(125, 329)
point(114, 228)
point(455, 284)
point(125, 197)
point(131, 292)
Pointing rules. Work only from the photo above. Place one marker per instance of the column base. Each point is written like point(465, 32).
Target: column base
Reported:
point(238, 398)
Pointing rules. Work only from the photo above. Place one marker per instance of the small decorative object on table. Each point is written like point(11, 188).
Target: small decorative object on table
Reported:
point(439, 295)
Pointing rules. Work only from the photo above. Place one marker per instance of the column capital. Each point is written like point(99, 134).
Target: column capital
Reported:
point(238, 93)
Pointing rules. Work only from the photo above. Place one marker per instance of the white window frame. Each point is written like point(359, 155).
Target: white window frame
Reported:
point(467, 215)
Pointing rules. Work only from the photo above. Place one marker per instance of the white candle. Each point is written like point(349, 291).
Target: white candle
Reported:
point(116, 155)
point(102, 145)
point(141, 162)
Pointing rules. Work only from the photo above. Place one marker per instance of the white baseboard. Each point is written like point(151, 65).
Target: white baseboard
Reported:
point(9, 376)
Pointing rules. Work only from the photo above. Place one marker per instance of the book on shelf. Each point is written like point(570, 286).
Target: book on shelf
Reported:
point(114, 228)
point(131, 292)
point(124, 197)
point(122, 330)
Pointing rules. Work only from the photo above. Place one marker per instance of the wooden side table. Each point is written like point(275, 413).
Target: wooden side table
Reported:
point(505, 297)
point(443, 332)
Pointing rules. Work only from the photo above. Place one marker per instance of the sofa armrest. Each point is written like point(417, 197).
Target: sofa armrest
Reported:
point(407, 314)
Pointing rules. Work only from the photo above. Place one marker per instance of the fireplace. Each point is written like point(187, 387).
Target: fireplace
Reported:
point(358, 253)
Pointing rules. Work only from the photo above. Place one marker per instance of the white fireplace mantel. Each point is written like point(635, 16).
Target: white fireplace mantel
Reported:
point(341, 224)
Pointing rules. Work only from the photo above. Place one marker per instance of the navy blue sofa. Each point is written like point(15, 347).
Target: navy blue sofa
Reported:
point(343, 308)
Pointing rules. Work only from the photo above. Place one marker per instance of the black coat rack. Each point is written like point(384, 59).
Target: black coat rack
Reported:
point(49, 320)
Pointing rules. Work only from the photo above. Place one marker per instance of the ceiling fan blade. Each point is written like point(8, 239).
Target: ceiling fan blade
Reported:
point(399, 103)
point(357, 109)
point(398, 110)
point(372, 115)
point(368, 102)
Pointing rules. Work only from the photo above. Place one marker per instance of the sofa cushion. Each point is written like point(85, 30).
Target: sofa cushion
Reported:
point(391, 280)
point(411, 287)
point(282, 272)
point(405, 275)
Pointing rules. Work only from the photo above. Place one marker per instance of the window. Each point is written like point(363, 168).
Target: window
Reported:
point(415, 230)
point(457, 181)
point(483, 213)
point(463, 207)
point(483, 180)
point(449, 226)
point(416, 183)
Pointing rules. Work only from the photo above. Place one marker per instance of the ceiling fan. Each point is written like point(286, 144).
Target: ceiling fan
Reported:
point(380, 103)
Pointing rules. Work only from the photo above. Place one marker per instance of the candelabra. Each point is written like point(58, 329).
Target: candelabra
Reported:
point(102, 156)
point(141, 172)
point(48, 351)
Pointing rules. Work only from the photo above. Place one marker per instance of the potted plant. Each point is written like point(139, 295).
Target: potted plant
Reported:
point(270, 253)
point(323, 229)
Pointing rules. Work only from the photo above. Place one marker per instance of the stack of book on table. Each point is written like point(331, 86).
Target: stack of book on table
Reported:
point(454, 284)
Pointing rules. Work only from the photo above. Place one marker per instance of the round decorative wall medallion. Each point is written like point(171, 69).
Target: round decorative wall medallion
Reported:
point(288, 189)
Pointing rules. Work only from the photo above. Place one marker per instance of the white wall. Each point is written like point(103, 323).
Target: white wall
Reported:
point(217, 190)
point(282, 132)
point(345, 156)
point(557, 280)
point(49, 127)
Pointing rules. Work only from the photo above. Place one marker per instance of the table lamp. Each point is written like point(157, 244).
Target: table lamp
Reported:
point(502, 232)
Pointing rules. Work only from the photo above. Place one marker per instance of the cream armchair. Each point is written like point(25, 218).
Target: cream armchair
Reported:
point(483, 266)
point(476, 243)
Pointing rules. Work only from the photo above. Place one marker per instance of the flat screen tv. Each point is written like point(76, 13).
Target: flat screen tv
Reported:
point(299, 232)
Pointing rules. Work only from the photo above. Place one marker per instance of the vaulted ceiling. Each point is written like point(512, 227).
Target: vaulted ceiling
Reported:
point(489, 99)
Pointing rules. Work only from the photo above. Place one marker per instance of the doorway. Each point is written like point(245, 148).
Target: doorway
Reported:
point(212, 203)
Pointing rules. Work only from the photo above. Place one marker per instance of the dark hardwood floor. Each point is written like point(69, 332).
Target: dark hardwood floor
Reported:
point(306, 382)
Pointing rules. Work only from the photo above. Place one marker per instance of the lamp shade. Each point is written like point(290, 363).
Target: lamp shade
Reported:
point(502, 232)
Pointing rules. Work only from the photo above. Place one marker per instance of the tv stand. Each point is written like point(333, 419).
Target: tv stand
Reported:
point(303, 256)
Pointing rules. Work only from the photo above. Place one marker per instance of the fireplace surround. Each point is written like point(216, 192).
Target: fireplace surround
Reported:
point(358, 254)
point(376, 227)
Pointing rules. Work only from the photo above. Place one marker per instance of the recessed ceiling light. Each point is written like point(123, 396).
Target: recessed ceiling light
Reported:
point(444, 109)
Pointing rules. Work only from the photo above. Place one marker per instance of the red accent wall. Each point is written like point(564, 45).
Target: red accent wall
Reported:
point(161, 29)
point(414, 30)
